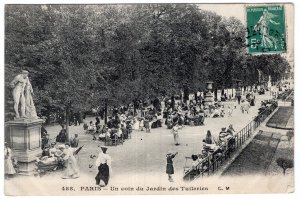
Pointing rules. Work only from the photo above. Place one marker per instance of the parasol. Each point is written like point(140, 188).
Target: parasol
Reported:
point(77, 150)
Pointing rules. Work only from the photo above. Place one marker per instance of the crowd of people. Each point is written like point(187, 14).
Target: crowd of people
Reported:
point(59, 157)
point(121, 123)
point(214, 148)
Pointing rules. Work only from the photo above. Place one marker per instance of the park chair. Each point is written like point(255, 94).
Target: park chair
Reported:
point(121, 139)
point(187, 165)
point(111, 141)
point(115, 140)
point(107, 141)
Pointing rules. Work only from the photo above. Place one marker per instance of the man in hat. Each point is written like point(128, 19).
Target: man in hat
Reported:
point(18, 85)
point(103, 163)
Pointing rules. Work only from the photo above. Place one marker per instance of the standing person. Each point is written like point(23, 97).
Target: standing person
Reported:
point(97, 121)
point(147, 125)
point(246, 106)
point(169, 167)
point(85, 125)
point(75, 141)
point(103, 163)
point(175, 130)
point(44, 132)
point(8, 164)
point(141, 124)
point(72, 170)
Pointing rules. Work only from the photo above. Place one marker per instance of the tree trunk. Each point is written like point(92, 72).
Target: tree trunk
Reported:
point(67, 123)
point(196, 98)
point(216, 94)
point(105, 111)
point(134, 107)
point(173, 101)
point(185, 95)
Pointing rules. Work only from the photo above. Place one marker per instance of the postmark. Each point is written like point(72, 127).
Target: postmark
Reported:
point(266, 31)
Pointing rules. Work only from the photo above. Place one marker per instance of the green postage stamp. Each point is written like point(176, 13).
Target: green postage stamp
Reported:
point(266, 29)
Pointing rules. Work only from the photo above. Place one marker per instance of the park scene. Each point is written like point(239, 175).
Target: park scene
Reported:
point(140, 95)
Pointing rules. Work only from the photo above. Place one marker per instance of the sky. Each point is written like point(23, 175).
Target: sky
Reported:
point(227, 10)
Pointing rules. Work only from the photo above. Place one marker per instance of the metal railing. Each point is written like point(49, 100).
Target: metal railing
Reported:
point(210, 164)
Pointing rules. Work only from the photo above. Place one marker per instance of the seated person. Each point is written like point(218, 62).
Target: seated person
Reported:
point(208, 138)
point(222, 113)
point(123, 117)
point(119, 132)
point(186, 119)
point(231, 130)
point(53, 149)
point(180, 120)
point(215, 113)
point(62, 136)
point(195, 164)
point(108, 134)
point(169, 122)
point(102, 135)
point(46, 157)
point(124, 131)
point(92, 126)
point(222, 135)
point(129, 127)
point(201, 116)
point(113, 132)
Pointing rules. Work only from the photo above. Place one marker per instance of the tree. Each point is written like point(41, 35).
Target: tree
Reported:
point(285, 164)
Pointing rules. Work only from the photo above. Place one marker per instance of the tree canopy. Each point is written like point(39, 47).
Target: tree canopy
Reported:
point(79, 56)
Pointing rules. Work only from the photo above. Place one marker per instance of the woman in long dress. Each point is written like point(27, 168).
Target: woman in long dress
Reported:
point(103, 163)
point(8, 165)
point(175, 134)
point(136, 124)
point(72, 170)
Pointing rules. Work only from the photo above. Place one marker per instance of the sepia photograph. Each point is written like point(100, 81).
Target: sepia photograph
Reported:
point(148, 99)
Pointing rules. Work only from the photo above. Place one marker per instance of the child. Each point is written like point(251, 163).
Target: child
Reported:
point(170, 168)
point(142, 124)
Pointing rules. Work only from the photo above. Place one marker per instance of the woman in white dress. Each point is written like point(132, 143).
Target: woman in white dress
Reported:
point(8, 165)
point(72, 170)
point(103, 164)
point(136, 124)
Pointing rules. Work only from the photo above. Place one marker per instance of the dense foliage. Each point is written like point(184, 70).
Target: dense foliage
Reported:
point(82, 56)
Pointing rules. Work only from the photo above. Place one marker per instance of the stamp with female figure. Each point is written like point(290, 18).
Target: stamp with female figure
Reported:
point(266, 29)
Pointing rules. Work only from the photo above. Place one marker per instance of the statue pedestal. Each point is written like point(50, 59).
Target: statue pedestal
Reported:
point(24, 138)
point(208, 100)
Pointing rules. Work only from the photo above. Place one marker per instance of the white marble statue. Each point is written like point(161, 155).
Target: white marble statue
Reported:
point(22, 94)
point(29, 108)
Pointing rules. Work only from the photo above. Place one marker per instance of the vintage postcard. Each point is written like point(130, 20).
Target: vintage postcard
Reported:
point(136, 99)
